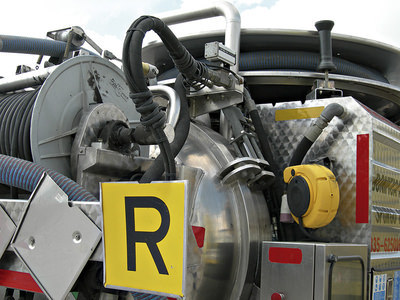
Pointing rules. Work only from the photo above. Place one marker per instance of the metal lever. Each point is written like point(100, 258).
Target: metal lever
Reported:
point(324, 28)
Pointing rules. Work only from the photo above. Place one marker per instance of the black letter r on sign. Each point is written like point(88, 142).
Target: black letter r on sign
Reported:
point(151, 238)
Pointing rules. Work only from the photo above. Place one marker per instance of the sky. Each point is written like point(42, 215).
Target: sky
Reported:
point(106, 21)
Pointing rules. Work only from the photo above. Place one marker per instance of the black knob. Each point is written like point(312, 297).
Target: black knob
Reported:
point(298, 196)
point(324, 30)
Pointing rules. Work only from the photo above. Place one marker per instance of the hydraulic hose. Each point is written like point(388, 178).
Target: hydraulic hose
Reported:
point(277, 189)
point(181, 133)
point(19, 44)
point(25, 175)
point(315, 130)
point(261, 133)
point(151, 115)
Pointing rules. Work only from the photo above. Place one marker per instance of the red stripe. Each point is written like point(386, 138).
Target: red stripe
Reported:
point(18, 280)
point(362, 179)
point(285, 255)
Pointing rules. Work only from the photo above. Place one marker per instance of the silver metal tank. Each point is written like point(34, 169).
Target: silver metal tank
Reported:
point(235, 219)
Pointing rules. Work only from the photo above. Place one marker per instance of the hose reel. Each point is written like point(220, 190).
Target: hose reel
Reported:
point(51, 113)
point(313, 194)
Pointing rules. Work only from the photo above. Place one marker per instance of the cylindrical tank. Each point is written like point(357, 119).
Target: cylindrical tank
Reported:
point(235, 220)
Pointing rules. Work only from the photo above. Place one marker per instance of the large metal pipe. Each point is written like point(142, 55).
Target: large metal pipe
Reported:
point(222, 8)
point(25, 80)
point(174, 102)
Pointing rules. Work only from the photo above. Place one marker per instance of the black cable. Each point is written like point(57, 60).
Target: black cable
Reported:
point(309, 234)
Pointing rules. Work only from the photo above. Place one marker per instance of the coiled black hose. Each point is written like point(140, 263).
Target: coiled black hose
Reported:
point(15, 122)
point(297, 60)
point(293, 61)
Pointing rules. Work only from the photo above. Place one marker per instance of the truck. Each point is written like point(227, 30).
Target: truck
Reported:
point(233, 164)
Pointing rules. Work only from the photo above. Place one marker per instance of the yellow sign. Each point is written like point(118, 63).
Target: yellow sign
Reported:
point(144, 236)
point(298, 113)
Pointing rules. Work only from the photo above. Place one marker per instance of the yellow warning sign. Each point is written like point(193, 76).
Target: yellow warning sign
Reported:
point(144, 236)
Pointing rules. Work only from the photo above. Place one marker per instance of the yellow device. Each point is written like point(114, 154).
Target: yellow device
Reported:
point(313, 194)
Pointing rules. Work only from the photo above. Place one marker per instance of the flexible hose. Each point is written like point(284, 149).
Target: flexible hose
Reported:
point(192, 70)
point(297, 60)
point(15, 119)
point(181, 133)
point(151, 115)
point(26, 175)
point(293, 61)
point(19, 44)
point(330, 111)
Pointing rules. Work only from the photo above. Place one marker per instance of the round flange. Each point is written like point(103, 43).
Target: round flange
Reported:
point(67, 93)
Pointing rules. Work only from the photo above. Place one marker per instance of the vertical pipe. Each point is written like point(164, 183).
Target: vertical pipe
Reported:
point(221, 8)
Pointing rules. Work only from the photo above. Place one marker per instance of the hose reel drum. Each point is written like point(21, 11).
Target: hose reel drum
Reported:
point(70, 90)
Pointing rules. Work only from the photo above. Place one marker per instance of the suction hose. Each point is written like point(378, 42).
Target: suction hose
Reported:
point(25, 175)
point(315, 130)
point(19, 44)
point(298, 60)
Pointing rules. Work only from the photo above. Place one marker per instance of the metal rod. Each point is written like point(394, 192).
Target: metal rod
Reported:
point(222, 8)
point(174, 106)
point(25, 80)
point(256, 148)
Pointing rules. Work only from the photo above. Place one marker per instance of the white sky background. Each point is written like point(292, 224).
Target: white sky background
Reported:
point(106, 21)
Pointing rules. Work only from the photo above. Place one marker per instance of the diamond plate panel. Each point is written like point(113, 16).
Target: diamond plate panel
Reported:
point(338, 143)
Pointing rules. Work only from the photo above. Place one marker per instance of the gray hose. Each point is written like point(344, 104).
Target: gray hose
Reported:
point(26, 175)
point(315, 130)
point(19, 44)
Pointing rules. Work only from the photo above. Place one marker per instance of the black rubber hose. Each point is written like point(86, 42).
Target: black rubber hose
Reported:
point(151, 115)
point(181, 133)
point(301, 151)
point(293, 61)
point(314, 131)
point(15, 119)
point(141, 96)
point(298, 60)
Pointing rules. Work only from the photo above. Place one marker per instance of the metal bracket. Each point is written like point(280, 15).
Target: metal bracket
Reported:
point(212, 99)
point(247, 169)
point(323, 89)
point(7, 229)
point(54, 240)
